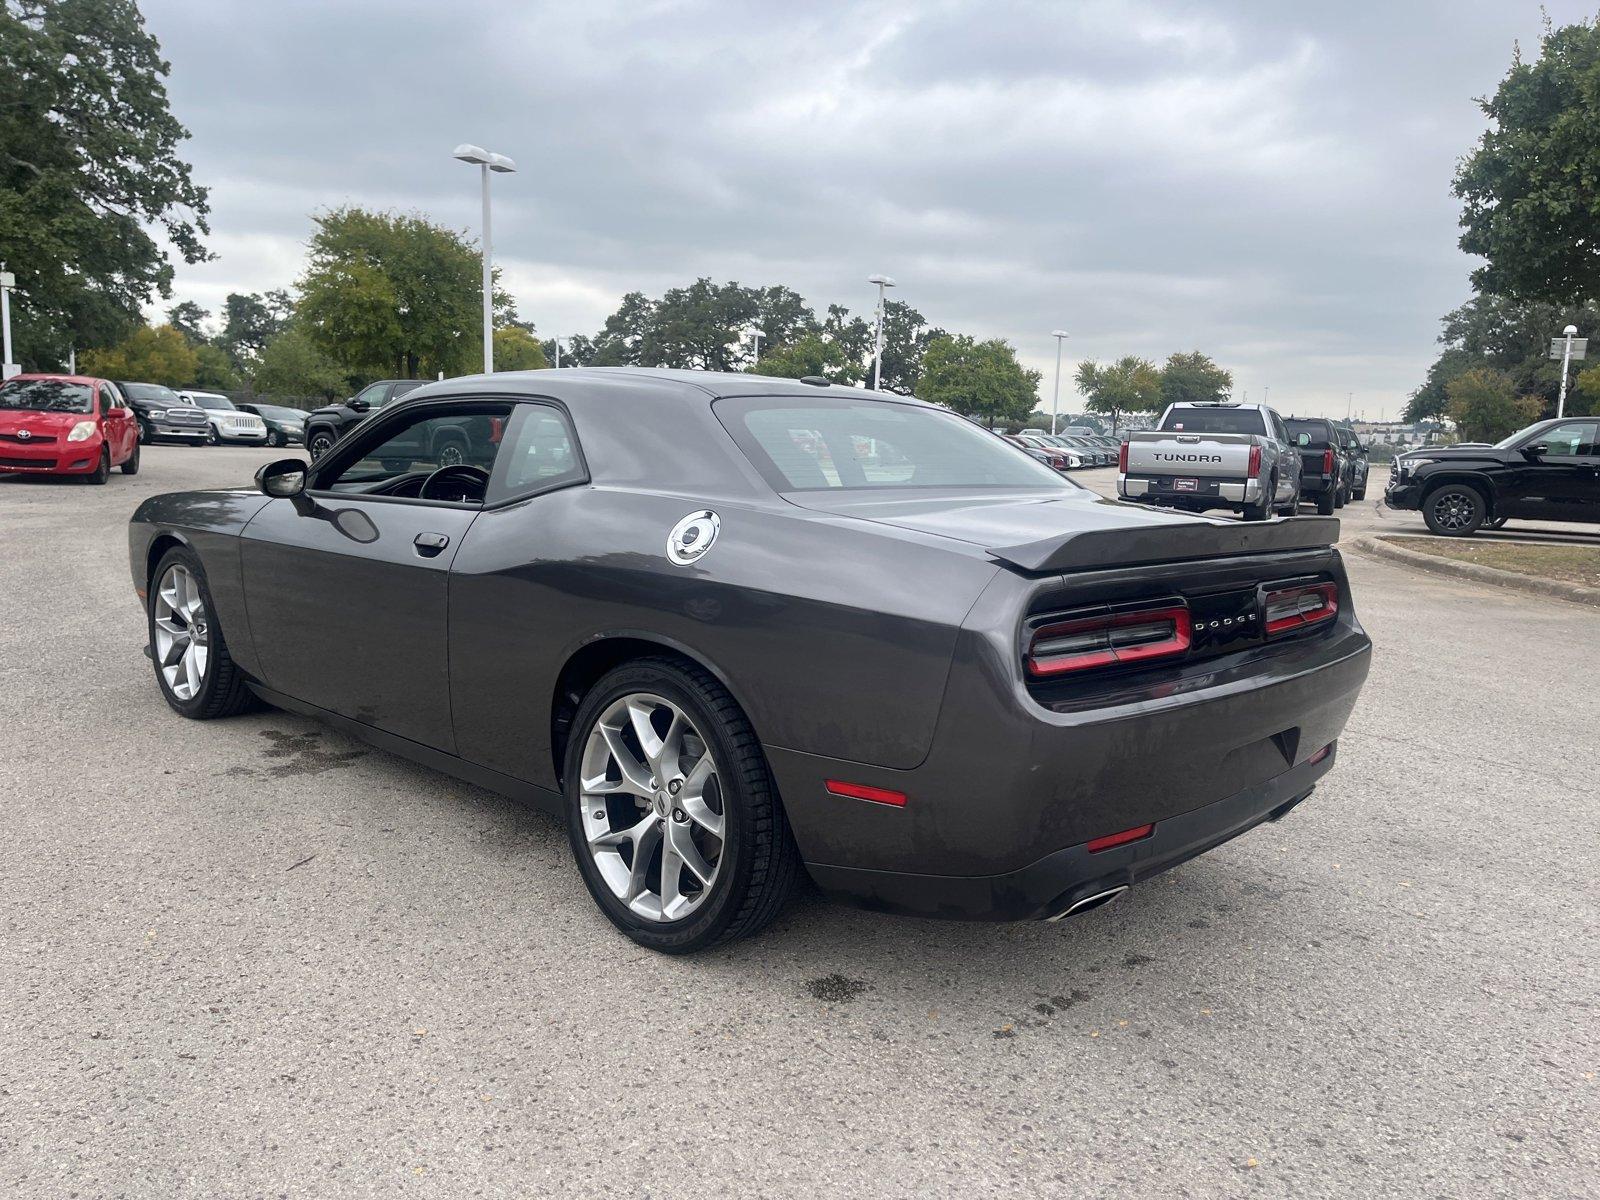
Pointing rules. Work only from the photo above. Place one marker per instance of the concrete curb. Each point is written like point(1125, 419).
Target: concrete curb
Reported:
point(1556, 589)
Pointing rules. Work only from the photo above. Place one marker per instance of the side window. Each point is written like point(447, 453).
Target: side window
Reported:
point(1278, 431)
point(110, 396)
point(537, 452)
point(373, 394)
point(398, 455)
point(1569, 440)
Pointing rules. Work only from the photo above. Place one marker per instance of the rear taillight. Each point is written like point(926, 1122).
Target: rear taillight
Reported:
point(1107, 639)
point(1327, 462)
point(1255, 461)
point(497, 428)
point(1296, 607)
point(1122, 458)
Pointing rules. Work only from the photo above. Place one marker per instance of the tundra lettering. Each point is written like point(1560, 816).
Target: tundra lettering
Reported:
point(1194, 458)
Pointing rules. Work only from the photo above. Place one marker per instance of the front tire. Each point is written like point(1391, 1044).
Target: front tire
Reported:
point(131, 467)
point(102, 470)
point(319, 444)
point(1454, 510)
point(194, 670)
point(671, 809)
point(211, 436)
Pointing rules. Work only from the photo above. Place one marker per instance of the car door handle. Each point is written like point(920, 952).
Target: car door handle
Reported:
point(429, 544)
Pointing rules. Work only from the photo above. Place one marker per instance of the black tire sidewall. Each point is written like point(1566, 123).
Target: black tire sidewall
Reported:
point(1433, 497)
point(102, 470)
point(705, 925)
point(318, 438)
point(131, 467)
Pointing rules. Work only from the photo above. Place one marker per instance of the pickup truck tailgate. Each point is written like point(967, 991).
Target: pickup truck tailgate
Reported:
point(1196, 455)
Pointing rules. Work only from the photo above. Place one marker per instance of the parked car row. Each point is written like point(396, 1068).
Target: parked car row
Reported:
point(1066, 452)
point(1244, 457)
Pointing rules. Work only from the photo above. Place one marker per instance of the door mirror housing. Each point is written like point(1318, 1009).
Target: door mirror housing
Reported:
point(359, 405)
point(1535, 450)
point(283, 479)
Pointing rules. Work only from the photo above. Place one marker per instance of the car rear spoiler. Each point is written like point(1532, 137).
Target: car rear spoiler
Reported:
point(1097, 548)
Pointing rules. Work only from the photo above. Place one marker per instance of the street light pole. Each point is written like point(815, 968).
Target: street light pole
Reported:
point(1060, 336)
point(755, 337)
point(1349, 398)
point(500, 164)
point(558, 352)
point(883, 281)
point(1566, 361)
point(7, 282)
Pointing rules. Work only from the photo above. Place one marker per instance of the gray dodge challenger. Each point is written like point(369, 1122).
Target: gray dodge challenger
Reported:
point(733, 628)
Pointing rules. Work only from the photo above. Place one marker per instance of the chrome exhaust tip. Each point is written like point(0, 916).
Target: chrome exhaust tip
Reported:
point(1088, 902)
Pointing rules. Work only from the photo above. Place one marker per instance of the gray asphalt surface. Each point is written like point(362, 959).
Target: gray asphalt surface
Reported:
point(252, 958)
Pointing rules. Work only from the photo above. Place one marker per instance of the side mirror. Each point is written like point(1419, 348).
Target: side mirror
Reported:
point(283, 479)
point(1536, 450)
point(360, 405)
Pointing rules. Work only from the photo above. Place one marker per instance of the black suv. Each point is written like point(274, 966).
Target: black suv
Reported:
point(1546, 472)
point(1323, 470)
point(326, 425)
point(1355, 463)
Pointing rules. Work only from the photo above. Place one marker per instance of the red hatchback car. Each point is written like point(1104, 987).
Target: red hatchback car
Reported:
point(66, 425)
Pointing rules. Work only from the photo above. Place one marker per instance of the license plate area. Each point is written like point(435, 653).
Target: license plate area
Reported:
point(1186, 485)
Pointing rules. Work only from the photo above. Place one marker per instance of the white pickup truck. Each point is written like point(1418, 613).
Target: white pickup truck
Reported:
point(1222, 455)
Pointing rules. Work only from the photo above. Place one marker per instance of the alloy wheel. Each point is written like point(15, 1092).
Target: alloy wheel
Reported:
point(1453, 510)
point(452, 456)
point(183, 635)
point(653, 815)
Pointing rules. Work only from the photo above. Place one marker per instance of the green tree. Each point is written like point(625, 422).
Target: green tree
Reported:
point(812, 354)
point(626, 339)
point(89, 166)
point(515, 349)
point(1530, 191)
point(213, 369)
point(853, 335)
point(576, 351)
point(783, 317)
point(1485, 406)
point(978, 379)
point(291, 364)
point(906, 338)
point(250, 321)
point(1193, 379)
point(394, 293)
point(158, 355)
point(189, 319)
point(1128, 385)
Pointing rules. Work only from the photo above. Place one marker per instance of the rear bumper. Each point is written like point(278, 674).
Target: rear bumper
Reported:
point(1053, 884)
point(1205, 491)
point(1315, 485)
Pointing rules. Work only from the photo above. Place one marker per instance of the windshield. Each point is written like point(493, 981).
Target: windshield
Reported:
point(151, 391)
point(812, 445)
point(278, 413)
point(1213, 420)
point(47, 395)
point(206, 400)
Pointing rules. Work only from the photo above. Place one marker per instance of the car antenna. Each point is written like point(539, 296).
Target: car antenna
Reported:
point(815, 380)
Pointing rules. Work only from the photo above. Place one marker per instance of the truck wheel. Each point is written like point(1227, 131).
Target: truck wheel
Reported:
point(319, 444)
point(1325, 503)
point(1454, 510)
point(1260, 512)
point(1359, 494)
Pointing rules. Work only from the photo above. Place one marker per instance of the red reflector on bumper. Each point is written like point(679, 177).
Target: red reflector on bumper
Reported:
point(1320, 754)
point(860, 791)
point(1137, 834)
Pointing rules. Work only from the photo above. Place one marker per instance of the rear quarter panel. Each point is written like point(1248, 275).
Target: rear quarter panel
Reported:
point(835, 637)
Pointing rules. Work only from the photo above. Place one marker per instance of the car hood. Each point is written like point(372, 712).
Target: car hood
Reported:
point(1456, 454)
point(14, 419)
point(1074, 530)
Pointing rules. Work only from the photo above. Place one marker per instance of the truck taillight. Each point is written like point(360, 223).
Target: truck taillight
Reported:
point(1255, 461)
point(1122, 458)
point(1296, 607)
point(1059, 645)
point(1327, 462)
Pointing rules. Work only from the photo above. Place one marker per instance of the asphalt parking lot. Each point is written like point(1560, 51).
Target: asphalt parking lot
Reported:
point(253, 958)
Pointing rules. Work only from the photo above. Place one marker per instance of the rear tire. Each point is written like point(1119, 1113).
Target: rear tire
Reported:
point(1325, 504)
point(1454, 510)
point(220, 690)
point(131, 467)
point(757, 862)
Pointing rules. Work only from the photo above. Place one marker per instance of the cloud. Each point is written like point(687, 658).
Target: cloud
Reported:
point(1268, 183)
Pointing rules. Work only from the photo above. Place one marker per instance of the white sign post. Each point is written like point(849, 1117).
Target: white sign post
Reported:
point(1567, 348)
point(7, 282)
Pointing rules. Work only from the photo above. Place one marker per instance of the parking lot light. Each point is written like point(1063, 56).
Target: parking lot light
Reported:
point(1060, 336)
point(883, 281)
point(486, 161)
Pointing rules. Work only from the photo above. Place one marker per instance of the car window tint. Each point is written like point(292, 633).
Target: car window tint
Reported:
point(1213, 420)
point(372, 394)
point(801, 445)
point(420, 445)
point(47, 395)
point(538, 452)
point(1570, 439)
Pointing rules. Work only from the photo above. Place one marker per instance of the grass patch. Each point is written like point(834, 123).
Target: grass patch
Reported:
point(1570, 564)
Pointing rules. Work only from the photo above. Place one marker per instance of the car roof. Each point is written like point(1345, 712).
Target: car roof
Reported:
point(687, 385)
point(87, 380)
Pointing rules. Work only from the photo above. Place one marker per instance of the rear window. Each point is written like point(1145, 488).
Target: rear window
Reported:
point(1316, 431)
point(1214, 420)
point(815, 445)
point(47, 395)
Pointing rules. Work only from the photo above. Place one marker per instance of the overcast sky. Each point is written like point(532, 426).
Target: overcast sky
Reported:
point(1266, 182)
